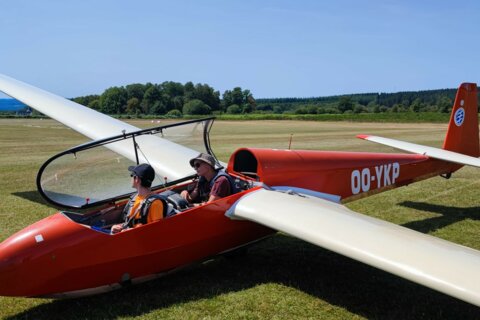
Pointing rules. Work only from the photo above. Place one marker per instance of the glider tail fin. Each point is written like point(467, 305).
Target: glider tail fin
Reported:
point(462, 132)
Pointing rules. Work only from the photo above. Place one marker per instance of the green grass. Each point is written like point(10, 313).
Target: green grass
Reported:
point(401, 117)
point(281, 277)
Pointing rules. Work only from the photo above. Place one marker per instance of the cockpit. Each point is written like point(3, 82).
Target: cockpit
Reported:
point(95, 173)
point(91, 182)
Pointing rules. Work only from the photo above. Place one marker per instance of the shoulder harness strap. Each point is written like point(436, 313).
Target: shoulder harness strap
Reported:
point(147, 203)
point(222, 173)
point(128, 207)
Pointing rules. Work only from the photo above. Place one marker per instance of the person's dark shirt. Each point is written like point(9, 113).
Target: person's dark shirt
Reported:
point(221, 188)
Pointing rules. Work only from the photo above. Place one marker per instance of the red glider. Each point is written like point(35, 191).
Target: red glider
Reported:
point(71, 253)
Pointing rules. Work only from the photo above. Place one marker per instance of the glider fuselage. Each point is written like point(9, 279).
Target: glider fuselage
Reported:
point(62, 256)
point(350, 175)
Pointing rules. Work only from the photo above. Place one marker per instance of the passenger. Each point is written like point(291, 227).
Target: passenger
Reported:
point(211, 185)
point(143, 207)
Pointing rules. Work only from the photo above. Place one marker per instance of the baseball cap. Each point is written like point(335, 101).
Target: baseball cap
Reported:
point(144, 171)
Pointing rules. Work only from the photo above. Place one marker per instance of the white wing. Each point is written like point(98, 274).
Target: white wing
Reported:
point(169, 159)
point(432, 262)
point(431, 152)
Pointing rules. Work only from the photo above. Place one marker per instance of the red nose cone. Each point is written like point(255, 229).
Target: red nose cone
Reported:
point(25, 257)
point(11, 265)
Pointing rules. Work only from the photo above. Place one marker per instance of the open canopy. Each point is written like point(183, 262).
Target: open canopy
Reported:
point(94, 173)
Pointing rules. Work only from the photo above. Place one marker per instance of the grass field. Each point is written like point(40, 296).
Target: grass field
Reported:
point(280, 278)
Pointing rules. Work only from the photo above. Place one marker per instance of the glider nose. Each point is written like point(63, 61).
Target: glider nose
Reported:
point(17, 273)
point(8, 271)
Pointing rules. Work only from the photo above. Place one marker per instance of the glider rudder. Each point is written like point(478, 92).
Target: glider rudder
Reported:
point(462, 132)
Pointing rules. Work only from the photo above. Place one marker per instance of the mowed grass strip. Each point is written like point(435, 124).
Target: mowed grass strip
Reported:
point(281, 277)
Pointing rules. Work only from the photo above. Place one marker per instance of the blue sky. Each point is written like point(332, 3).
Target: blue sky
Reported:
point(273, 48)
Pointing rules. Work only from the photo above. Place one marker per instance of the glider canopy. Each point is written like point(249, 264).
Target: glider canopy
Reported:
point(96, 172)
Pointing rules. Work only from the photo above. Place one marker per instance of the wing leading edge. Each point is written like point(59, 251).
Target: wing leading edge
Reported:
point(168, 158)
point(432, 262)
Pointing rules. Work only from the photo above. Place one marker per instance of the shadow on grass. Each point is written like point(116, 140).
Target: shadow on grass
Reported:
point(33, 196)
point(449, 215)
point(358, 288)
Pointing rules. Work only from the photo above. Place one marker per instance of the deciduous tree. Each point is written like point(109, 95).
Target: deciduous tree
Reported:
point(113, 100)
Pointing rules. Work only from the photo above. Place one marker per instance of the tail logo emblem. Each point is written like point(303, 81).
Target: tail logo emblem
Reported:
point(459, 117)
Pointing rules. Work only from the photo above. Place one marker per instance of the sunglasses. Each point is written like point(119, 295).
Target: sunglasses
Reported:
point(197, 165)
point(132, 175)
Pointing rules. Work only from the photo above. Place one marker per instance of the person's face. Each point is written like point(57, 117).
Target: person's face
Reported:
point(201, 167)
point(135, 180)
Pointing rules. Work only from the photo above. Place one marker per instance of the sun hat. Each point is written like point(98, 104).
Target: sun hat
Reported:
point(205, 158)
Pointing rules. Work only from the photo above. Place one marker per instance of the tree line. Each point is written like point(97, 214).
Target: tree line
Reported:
point(173, 99)
point(169, 98)
point(412, 101)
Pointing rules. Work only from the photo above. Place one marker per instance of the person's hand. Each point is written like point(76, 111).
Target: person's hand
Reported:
point(184, 194)
point(199, 204)
point(116, 228)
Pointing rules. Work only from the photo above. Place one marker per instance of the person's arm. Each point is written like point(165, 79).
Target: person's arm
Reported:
point(213, 198)
point(191, 196)
point(220, 189)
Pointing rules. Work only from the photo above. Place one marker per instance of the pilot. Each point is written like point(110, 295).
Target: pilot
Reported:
point(211, 185)
point(143, 207)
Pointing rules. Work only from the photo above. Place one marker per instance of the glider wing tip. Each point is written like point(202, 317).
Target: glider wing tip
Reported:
point(363, 136)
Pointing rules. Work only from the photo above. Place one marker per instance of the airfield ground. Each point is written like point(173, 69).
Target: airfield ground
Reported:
point(280, 278)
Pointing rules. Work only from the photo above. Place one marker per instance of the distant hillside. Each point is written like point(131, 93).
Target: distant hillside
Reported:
point(387, 99)
point(428, 100)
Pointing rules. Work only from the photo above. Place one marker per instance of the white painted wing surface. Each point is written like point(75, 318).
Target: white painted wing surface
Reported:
point(169, 159)
point(431, 152)
point(430, 261)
